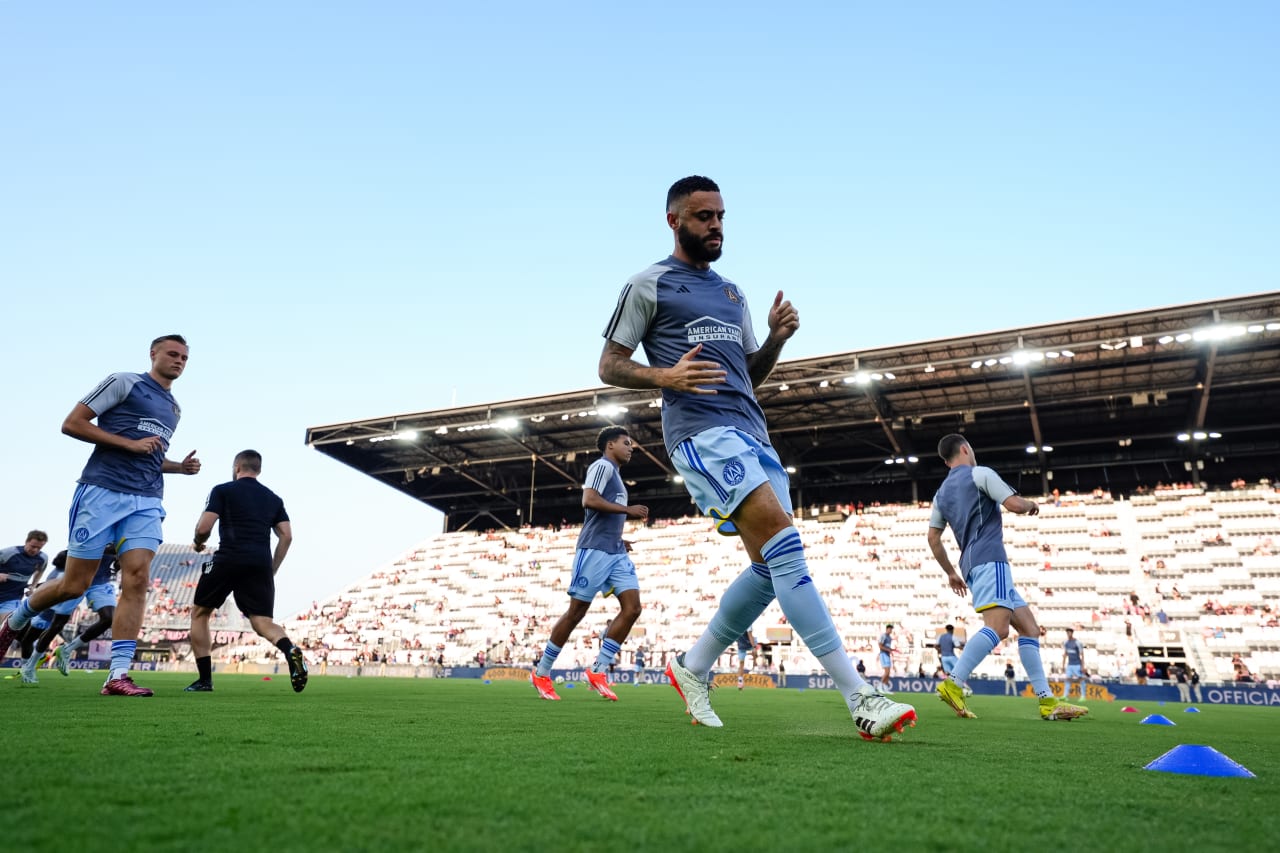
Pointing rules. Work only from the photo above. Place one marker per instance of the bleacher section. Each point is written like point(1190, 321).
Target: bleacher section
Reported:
point(1177, 566)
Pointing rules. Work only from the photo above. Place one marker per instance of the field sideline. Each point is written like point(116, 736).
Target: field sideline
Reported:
point(378, 764)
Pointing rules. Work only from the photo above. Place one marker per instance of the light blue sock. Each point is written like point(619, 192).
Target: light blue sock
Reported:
point(549, 655)
point(805, 610)
point(122, 657)
point(608, 653)
point(22, 616)
point(742, 603)
point(1029, 651)
point(978, 647)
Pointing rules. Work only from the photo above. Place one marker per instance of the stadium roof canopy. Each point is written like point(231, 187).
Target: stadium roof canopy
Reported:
point(1187, 393)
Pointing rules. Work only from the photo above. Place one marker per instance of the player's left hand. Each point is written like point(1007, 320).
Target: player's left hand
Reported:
point(957, 584)
point(190, 464)
point(784, 319)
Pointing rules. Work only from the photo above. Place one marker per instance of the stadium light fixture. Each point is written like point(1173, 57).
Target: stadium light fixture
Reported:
point(655, 404)
point(1031, 448)
point(507, 424)
point(1053, 354)
point(890, 376)
point(1047, 448)
point(929, 368)
point(408, 435)
point(350, 442)
point(991, 362)
point(1182, 337)
point(677, 479)
point(976, 365)
point(442, 430)
point(791, 469)
point(1165, 339)
point(913, 459)
point(1215, 435)
point(1066, 353)
point(1183, 436)
point(612, 411)
point(824, 384)
point(564, 417)
point(1199, 435)
point(876, 377)
point(889, 461)
point(1254, 328)
point(537, 419)
point(1272, 327)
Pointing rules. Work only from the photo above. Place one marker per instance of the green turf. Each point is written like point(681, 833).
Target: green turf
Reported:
point(387, 764)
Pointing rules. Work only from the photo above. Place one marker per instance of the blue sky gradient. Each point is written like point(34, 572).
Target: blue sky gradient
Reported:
point(360, 210)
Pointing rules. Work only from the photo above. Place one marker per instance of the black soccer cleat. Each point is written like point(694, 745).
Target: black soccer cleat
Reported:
point(297, 670)
point(198, 686)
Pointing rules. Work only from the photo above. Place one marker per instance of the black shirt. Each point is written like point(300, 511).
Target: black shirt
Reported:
point(247, 511)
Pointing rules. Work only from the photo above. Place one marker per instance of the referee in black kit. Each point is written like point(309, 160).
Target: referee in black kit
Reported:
point(246, 512)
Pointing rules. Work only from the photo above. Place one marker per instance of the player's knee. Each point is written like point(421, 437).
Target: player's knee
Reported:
point(631, 610)
point(1001, 632)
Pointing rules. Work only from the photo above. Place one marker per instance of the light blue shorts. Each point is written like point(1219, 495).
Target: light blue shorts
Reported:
point(99, 596)
point(949, 663)
point(597, 572)
point(101, 516)
point(992, 586)
point(1075, 670)
point(722, 465)
point(742, 655)
point(886, 661)
point(7, 607)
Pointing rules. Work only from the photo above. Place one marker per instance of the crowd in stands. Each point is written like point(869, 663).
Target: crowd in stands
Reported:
point(1174, 565)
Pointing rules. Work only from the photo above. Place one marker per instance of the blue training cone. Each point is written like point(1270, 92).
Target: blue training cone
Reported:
point(1191, 710)
point(1192, 760)
point(569, 685)
point(1156, 720)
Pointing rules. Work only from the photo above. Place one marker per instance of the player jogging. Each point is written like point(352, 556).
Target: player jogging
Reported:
point(118, 498)
point(600, 565)
point(969, 500)
point(246, 513)
point(20, 566)
point(702, 353)
point(1073, 664)
point(101, 596)
point(886, 657)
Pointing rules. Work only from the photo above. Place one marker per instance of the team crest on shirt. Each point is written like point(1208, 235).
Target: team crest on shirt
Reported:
point(732, 294)
point(734, 472)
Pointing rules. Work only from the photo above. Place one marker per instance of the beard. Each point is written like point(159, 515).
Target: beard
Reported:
point(696, 249)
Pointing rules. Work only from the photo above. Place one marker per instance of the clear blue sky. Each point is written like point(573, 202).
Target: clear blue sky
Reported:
point(355, 210)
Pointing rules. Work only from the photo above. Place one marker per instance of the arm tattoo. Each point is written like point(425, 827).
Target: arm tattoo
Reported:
point(761, 362)
point(619, 369)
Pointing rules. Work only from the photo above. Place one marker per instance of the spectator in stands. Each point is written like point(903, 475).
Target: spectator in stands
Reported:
point(703, 355)
point(600, 565)
point(1194, 678)
point(1141, 673)
point(119, 498)
point(244, 565)
point(1010, 679)
point(969, 500)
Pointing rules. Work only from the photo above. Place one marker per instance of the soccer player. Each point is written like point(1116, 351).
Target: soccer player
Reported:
point(244, 565)
point(947, 649)
point(101, 596)
point(600, 564)
point(119, 498)
point(746, 645)
point(886, 657)
point(1073, 663)
point(702, 354)
point(20, 566)
point(969, 499)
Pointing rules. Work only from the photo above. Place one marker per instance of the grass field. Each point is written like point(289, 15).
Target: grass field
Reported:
point(387, 764)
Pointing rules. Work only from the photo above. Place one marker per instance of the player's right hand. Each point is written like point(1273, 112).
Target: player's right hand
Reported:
point(689, 376)
point(638, 512)
point(957, 584)
point(147, 446)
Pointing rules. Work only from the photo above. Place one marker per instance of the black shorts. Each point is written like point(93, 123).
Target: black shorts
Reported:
point(253, 586)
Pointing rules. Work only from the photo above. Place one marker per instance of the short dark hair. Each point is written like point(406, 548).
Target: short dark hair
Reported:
point(686, 187)
point(950, 445)
point(176, 338)
point(608, 434)
point(890, 626)
point(250, 460)
point(951, 627)
point(37, 534)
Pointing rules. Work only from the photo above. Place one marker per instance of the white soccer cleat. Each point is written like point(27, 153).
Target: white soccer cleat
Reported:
point(695, 692)
point(61, 659)
point(877, 716)
point(28, 670)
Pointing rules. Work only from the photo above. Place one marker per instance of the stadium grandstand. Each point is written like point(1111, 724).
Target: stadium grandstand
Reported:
point(1152, 433)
